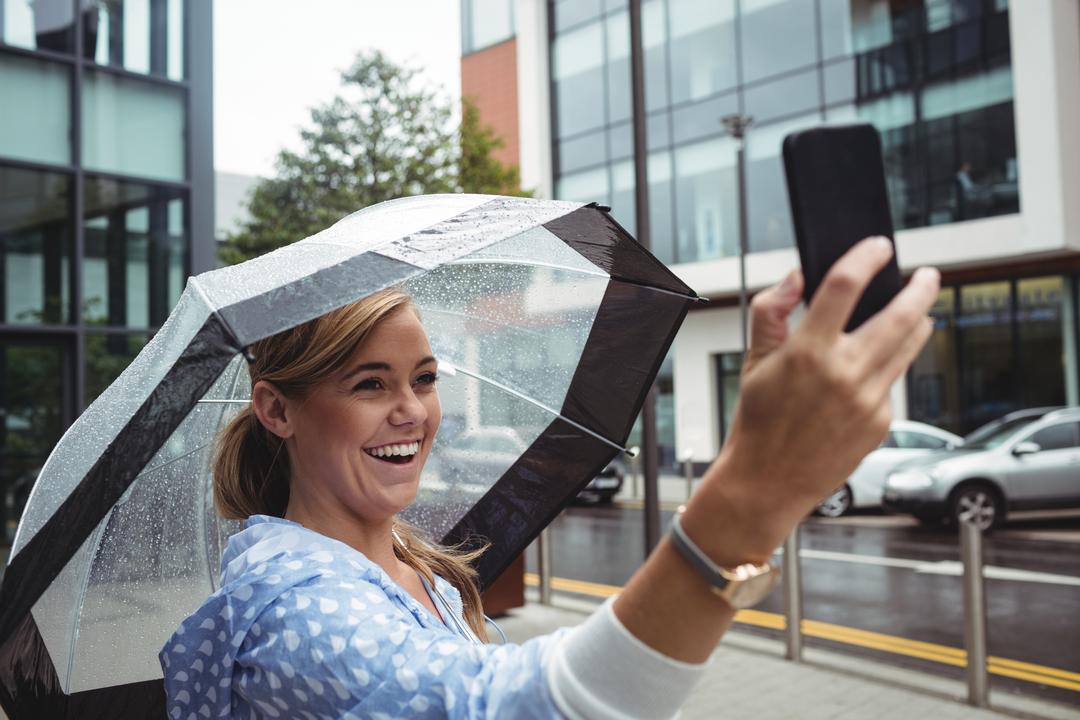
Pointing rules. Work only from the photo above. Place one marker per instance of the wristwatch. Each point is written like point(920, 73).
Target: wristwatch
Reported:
point(740, 587)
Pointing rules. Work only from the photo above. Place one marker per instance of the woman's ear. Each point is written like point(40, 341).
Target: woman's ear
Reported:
point(268, 404)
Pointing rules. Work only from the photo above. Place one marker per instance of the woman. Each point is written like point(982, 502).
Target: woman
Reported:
point(331, 607)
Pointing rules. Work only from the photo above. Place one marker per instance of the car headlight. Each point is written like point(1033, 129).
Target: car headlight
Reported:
point(910, 480)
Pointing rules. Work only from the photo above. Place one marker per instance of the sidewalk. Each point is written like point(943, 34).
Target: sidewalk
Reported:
point(749, 678)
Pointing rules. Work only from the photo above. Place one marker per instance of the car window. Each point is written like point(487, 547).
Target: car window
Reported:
point(988, 439)
point(910, 440)
point(1057, 437)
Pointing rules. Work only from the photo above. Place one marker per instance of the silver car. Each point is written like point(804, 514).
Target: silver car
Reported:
point(1029, 463)
point(906, 440)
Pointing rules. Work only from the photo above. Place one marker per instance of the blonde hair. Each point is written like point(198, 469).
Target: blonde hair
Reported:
point(251, 466)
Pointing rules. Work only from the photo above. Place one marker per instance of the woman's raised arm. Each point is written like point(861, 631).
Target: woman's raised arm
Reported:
point(812, 404)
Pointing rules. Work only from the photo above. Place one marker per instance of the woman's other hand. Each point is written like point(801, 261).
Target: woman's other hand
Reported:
point(813, 402)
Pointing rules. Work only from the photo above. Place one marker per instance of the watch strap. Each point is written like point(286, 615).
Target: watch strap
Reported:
point(689, 550)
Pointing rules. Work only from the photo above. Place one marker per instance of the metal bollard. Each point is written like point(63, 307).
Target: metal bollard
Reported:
point(971, 556)
point(792, 597)
point(688, 471)
point(543, 547)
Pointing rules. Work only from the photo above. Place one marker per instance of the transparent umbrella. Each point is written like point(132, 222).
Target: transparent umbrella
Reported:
point(549, 323)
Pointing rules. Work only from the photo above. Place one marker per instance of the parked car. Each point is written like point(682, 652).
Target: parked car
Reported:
point(1027, 463)
point(906, 440)
point(491, 450)
point(604, 487)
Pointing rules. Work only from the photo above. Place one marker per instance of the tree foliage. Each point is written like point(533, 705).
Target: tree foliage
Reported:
point(384, 136)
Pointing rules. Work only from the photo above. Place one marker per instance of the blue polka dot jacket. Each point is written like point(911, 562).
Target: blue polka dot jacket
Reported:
point(304, 626)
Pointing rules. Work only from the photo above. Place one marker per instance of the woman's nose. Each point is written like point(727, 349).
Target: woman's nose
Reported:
point(408, 410)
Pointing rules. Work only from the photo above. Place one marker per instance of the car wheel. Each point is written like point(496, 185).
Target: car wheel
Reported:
point(978, 504)
point(837, 504)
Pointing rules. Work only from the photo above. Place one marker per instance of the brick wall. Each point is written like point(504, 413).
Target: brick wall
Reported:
point(489, 77)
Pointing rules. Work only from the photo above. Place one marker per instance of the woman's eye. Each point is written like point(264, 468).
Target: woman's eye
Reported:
point(427, 379)
point(369, 384)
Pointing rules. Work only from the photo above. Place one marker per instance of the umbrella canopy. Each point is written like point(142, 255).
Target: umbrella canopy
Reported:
point(549, 323)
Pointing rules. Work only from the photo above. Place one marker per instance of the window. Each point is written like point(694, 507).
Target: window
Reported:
point(572, 12)
point(1041, 326)
point(485, 23)
point(39, 24)
point(789, 95)
point(136, 253)
point(133, 127)
point(579, 79)
point(141, 36)
point(767, 206)
point(707, 210)
point(35, 123)
point(35, 247)
point(910, 440)
point(703, 45)
point(1057, 437)
point(777, 37)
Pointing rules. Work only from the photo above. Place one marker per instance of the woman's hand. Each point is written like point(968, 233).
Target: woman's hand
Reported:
point(812, 404)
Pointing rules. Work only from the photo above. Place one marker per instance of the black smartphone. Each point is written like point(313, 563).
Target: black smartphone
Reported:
point(836, 185)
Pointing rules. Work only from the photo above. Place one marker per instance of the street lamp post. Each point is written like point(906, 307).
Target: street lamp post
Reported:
point(736, 125)
point(650, 465)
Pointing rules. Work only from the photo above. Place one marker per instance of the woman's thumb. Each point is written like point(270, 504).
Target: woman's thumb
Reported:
point(769, 313)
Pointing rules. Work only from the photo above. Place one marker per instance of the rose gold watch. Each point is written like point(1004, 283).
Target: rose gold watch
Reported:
point(740, 587)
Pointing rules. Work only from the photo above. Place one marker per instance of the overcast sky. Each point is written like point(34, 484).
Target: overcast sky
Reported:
point(275, 59)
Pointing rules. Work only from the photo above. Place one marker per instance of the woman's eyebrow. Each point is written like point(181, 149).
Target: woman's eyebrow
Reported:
point(386, 366)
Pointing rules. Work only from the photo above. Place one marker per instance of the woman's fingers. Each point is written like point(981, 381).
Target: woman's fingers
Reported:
point(769, 314)
point(835, 299)
point(883, 338)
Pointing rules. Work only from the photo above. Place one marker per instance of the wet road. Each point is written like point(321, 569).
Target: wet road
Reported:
point(882, 575)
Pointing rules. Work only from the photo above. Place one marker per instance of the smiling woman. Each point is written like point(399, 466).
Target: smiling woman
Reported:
point(331, 606)
point(343, 415)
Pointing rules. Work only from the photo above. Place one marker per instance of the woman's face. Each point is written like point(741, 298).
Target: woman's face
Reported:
point(361, 438)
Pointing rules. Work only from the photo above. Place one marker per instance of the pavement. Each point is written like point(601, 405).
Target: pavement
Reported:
point(749, 678)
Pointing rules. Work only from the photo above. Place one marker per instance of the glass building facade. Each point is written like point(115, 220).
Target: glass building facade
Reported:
point(934, 77)
point(103, 138)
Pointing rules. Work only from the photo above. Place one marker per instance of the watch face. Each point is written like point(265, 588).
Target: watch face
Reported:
point(753, 590)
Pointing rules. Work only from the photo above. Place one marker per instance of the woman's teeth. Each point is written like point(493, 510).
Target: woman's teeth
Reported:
point(403, 450)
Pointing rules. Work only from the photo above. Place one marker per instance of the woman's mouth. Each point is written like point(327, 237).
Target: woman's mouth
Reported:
point(395, 453)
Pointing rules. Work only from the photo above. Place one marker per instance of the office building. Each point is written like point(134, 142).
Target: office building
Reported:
point(106, 201)
point(977, 105)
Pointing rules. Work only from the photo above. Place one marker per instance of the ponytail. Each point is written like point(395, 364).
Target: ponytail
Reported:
point(251, 470)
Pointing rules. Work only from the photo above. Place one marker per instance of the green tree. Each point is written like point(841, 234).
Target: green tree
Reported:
point(381, 138)
point(478, 170)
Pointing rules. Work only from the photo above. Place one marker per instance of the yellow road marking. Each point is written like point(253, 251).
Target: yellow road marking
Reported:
point(640, 505)
point(933, 652)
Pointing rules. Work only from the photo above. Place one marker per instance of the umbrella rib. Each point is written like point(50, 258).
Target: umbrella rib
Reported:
point(542, 406)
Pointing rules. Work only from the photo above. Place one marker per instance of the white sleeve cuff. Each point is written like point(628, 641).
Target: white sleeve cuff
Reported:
point(599, 671)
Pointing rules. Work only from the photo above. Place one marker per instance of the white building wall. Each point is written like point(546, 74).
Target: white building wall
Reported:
point(534, 101)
